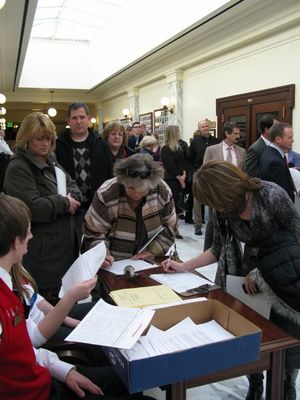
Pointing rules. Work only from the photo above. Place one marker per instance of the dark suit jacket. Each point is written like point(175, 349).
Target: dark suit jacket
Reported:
point(274, 168)
point(253, 156)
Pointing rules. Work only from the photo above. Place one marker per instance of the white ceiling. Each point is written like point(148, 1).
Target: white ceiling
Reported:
point(77, 44)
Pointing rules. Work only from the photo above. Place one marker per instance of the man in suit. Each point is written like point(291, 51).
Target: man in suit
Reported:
point(135, 139)
point(201, 140)
point(273, 165)
point(229, 151)
point(256, 150)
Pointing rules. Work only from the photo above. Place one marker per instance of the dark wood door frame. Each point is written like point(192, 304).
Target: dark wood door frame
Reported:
point(283, 95)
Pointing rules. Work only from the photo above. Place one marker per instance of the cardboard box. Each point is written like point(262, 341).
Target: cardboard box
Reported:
point(147, 373)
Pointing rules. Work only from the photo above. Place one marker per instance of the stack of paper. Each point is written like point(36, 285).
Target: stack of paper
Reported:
point(144, 296)
point(184, 335)
point(113, 326)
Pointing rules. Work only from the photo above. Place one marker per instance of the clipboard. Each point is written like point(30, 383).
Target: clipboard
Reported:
point(202, 289)
point(151, 239)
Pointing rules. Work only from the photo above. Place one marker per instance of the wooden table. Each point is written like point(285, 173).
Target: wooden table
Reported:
point(272, 349)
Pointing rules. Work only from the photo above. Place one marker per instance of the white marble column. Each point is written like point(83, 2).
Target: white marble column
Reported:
point(175, 94)
point(133, 99)
point(100, 117)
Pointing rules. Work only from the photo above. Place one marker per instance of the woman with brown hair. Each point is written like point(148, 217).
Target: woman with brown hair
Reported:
point(116, 137)
point(261, 215)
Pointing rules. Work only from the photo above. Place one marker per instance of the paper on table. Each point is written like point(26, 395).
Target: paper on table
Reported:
point(61, 181)
point(208, 271)
point(180, 281)
point(113, 326)
point(144, 296)
point(85, 267)
point(117, 267)
point(258, 302)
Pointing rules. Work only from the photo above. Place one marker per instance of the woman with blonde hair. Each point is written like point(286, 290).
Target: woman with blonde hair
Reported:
point(34, 176)
point(116, 137)
point(261, 215)
point(172, 157)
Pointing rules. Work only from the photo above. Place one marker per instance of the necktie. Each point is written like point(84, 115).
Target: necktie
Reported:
point(229, 156)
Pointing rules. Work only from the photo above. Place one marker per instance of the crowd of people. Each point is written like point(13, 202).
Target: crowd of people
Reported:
point(65, 194)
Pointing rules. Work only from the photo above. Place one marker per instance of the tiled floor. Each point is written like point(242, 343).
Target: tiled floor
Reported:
point(233, 389)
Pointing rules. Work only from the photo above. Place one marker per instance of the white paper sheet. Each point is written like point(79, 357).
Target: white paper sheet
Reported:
point(113, 326)
point(180, 281)
point(184, 335)
point(61, 181)
point(85, 267)
point(208, 271)
point(258, 302)
point(296, 178)
point(117, 267)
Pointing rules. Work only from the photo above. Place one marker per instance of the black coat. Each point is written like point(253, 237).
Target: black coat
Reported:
point(273, 168)
point(100, 154)
point(197, 149)
point(279, 264)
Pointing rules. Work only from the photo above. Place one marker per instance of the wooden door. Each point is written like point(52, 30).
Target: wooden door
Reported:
point(240, 115)
point(246, 110)
point(279, 109)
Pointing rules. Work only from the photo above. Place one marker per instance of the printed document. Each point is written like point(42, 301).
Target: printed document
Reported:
point(180, 281)
point(184, 335)
point(258, 301)
point(208, 271)
point(85, 267)
point(117, 267)
point(144, 296)
point(113, 326)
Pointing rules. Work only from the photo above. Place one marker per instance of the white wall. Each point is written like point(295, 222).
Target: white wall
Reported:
point(112, 109)
point(261, 64)
point(270, 63)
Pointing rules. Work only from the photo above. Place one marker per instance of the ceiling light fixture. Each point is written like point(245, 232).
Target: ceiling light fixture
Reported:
point(52, 111)
point(125, 112)
point(165, 102)
point(2, 97)
point(2, 110)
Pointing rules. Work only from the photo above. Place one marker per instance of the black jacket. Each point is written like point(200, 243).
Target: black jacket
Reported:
point(273, 168)
point(197, 149)
point(279, 264)
point(101, 159)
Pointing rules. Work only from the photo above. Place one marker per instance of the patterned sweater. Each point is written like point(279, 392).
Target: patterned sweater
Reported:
point(110, 218)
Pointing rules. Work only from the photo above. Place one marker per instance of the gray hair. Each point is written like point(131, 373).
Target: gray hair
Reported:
point(135, 164)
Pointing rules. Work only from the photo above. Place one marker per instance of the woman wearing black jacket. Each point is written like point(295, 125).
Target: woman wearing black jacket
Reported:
point(172, 157)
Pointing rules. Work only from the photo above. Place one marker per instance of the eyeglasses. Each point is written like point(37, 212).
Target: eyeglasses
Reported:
point(141, 174)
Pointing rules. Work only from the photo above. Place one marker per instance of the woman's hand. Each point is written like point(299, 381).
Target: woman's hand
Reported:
point(108, 261)
point(82, 290)
point(181, 179)
point(142, 256)
point(172, 266)
point(250, 285)
point(79, 384)
point(73, 204)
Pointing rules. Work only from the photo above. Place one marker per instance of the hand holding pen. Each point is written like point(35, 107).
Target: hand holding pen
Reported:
point(170, 265)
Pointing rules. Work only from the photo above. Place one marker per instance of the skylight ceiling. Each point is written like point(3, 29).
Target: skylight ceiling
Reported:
point(77, 44)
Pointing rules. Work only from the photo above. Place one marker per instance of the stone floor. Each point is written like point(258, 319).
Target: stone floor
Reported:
point(233, 389)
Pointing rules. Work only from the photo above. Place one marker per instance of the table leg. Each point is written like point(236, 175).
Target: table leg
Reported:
point(275, 376)
point(176, 391)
